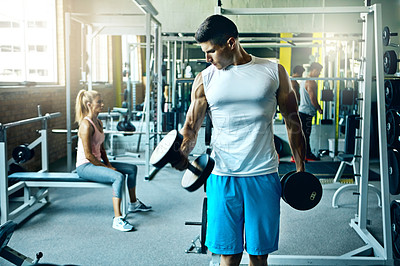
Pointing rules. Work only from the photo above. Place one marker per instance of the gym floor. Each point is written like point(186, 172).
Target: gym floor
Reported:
point(75, 228)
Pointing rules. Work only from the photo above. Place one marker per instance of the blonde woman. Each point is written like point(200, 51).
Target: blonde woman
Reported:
point(92, 162)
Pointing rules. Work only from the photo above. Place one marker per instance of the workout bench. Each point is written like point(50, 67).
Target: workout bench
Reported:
point(43, 181)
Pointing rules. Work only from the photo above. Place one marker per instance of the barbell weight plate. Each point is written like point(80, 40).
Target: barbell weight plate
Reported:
point(390, 62)
point(386, 36)
point(190, 181)
point(22, 153)
point(389, 93)
point(283, 180)
point(204, 227)
point(393, 167)
point(167, 151)
point(395, 222)
point(392, 127)
point(302, 191)
point(392, 93)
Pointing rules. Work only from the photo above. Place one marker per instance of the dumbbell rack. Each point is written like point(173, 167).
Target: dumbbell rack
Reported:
point(373, 252)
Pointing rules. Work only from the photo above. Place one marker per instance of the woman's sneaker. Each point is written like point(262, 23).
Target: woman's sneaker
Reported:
point(120, 224)
point(138, 206)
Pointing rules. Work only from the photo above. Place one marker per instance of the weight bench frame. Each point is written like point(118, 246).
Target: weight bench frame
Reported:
point(44, 181)
point(41, 180)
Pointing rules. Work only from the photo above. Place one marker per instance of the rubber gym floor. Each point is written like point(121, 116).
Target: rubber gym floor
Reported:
point(75, 228)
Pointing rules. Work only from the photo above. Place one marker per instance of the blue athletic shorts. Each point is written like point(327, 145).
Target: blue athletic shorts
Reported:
point(243, 210)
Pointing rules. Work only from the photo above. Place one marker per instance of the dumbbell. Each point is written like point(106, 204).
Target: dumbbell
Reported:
point(301, 190)
point(386, 34)
point(390, 62)
point(168, 151)
point(126, 125)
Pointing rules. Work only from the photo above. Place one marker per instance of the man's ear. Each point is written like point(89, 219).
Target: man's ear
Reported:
point(231, 43)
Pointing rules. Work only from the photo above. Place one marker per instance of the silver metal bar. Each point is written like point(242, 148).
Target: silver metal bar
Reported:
point(44, 149)
point(31, 120)
point(295, 10)
point(4, 207)
point(327, 79)
point(320, 260)
point(159, 83)
point(367, 237)
point(65, 184)
point(113, 132)
point(89, 51)
point(366, 85)
point(148, 86)
point(68, 88)
point(12, 189)
point(270, 39)
point(173, 67)
point(386, 223)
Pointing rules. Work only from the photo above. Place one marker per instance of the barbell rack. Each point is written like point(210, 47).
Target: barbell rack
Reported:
point(42, 140)
point(373, 252)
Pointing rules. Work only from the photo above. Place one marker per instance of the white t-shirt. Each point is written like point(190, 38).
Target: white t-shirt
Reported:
point(243, 102)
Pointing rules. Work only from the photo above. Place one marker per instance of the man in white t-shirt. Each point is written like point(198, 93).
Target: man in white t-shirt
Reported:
point(244, 190)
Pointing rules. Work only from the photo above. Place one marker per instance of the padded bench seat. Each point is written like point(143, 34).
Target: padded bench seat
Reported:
point(36, 176)
point(54, 179)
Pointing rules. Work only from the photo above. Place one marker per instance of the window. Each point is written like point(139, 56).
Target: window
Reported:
point(28, 41)
point(100, 59)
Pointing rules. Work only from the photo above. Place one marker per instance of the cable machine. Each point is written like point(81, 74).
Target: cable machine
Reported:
point(373, 252)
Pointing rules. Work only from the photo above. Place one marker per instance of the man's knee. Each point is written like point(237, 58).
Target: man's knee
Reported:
point(260, 260)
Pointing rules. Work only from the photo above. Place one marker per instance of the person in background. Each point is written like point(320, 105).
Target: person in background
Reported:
point(244, 189)
point(92, 162)
point(297, 73)
point(309, 106)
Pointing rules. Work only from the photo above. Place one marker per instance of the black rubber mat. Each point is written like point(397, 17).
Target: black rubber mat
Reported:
point(323, 169)
point(319, 169)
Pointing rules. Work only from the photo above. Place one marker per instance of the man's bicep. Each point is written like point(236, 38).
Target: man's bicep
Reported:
point(198, 105)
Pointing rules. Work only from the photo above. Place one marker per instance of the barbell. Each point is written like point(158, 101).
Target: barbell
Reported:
point(301, 190)
point(386, 34)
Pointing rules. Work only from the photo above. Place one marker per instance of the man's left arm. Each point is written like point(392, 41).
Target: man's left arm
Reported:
point(288, 108)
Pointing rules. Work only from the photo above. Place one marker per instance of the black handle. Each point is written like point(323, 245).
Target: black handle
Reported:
point(194, 170)
point(152, 174)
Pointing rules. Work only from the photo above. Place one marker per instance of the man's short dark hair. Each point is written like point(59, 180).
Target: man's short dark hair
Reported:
point(315, 65)
point(217, 29)
point(298, 69)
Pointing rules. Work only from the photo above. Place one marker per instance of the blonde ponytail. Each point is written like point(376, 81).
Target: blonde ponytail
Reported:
point(82, 99)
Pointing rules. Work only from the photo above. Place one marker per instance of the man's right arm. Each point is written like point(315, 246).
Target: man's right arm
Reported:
point(194, 119)
point(311, 87)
